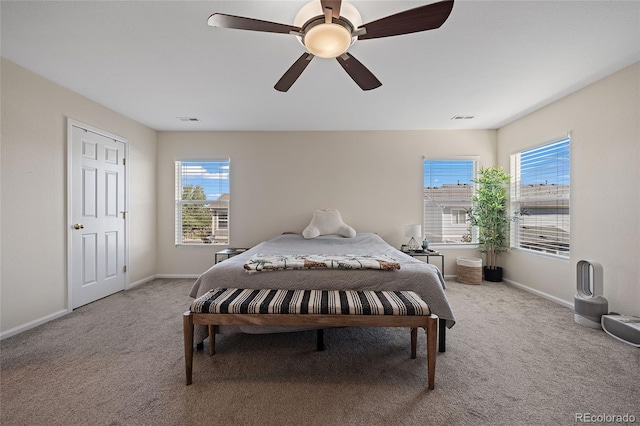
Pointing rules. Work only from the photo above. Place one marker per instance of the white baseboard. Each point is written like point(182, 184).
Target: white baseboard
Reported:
point(31, 324)
point(34, 323)
point(55, 315)
point(153, 277)
point(142, 281)
point(540, 293)
point(178, 276)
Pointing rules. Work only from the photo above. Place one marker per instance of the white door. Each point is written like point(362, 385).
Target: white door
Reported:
point(97, 218)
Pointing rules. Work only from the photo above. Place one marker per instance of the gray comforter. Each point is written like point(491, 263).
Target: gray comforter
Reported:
point(413, 275)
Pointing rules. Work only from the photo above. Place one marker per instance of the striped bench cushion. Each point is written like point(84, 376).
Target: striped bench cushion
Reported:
point(328, 302)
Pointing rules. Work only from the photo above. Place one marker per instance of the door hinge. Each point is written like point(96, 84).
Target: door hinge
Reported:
point(124, 215)
point(124, 268)
point(124, 161)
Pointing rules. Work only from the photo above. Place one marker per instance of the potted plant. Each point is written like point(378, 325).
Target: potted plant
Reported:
point(489, 213)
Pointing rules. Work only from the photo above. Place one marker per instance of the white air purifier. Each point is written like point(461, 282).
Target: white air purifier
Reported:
point(623, 327)
point(590, 306)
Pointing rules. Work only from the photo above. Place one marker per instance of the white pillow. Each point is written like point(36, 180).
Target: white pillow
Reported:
point(327, 222)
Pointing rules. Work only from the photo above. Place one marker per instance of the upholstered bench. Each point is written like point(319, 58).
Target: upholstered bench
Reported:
point(318, 308)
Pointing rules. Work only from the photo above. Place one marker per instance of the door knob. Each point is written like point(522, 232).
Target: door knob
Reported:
point(78, 226)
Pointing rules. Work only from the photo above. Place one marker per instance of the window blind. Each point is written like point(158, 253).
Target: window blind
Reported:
point(448, 188)
point(202, 202)
point(540, 195)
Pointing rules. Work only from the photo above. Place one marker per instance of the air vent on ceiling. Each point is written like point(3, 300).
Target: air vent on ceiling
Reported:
point(463, 117)
point(188, 119)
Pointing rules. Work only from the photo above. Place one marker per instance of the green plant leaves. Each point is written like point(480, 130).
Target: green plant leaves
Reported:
point(489, 212)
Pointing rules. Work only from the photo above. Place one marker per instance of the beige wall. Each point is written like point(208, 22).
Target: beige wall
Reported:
point(279, 178)
point(603, 119)
point(33, 275)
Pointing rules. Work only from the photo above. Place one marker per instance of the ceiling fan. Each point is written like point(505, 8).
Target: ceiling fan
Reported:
point(328, 28)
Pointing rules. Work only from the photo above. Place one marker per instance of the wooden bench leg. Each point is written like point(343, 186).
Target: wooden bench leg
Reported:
point(432, 342)
point(187, 326)
point(414, 340)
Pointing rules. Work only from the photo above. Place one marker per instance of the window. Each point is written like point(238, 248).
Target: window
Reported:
point(202, 202)
point(458, 216)
point(448, 188)
point(540, 189)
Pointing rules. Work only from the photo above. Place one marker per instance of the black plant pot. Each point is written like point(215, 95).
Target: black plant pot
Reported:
point(493, 275)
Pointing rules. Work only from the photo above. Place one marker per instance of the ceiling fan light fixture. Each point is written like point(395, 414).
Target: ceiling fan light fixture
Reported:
point(327, 29)
point(327, 40)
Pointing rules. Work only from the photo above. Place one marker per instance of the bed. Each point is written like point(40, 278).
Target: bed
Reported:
point(412, 275)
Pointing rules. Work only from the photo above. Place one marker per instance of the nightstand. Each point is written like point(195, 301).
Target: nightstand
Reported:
point(427, 254)
point(227, 253)
point(442, 324)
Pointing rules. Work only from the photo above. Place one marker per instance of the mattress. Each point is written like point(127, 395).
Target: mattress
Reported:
point(413, 274)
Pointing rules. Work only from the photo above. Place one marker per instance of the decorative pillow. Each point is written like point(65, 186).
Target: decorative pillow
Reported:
point(327, 222)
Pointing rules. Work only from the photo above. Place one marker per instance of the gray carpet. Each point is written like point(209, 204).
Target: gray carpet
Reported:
point(512, 359)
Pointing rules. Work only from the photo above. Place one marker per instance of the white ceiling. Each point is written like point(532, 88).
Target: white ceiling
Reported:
point(154, 61)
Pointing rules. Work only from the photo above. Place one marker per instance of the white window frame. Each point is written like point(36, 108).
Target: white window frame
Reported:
point(427, 228)
point(550, 196)
point(208, 202)
point(456, 218)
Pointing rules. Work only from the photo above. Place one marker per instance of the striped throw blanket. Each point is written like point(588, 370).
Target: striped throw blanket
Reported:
point(328, 302)
point(272, 262)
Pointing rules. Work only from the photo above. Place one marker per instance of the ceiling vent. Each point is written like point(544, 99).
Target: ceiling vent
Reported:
point(463, 117)
point(188, 119)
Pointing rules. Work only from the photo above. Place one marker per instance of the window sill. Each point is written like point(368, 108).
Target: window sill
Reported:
point(540, 253)
point(217, 245)
point(453, 246)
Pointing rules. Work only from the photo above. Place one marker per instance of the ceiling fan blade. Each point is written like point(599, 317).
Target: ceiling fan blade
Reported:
point(421, 18)
point(334, 5)
point(358, 72)
point(292, 74)
point(238, 22)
